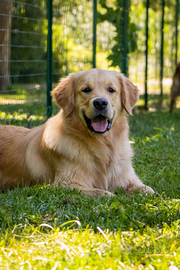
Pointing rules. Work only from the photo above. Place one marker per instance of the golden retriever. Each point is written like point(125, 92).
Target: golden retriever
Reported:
point(175, 89)
point(84, 146)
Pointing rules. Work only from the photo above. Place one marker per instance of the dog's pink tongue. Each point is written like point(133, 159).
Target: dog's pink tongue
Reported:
point(99, 125)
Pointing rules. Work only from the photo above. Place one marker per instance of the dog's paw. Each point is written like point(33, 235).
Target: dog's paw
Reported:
point(143, 188)
point(109, 194)
point(95, 192)
point(146, 189)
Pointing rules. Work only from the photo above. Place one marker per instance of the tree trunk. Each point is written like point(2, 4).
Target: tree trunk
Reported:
point(5, 42)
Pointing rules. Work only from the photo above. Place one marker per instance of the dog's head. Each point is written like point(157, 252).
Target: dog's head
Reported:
point(97, 97)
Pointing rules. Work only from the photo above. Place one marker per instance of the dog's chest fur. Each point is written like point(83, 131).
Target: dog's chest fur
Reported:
point(97, 161)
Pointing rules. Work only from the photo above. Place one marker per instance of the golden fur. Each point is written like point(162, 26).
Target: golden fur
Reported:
point(175, 89)
point(65, 151)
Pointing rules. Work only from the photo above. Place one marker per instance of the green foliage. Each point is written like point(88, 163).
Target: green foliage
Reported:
point(138, 16)
point(114, 16)
point(72, 48)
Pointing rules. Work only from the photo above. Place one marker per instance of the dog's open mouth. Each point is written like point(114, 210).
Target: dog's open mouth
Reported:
point(100, 124)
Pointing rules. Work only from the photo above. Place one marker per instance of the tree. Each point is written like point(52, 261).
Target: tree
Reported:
point(5, 41)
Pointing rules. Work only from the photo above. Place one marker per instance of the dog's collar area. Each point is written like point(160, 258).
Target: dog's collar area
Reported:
point(99, 124)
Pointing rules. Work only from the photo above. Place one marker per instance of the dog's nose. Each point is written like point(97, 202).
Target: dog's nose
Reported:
point(100, 103)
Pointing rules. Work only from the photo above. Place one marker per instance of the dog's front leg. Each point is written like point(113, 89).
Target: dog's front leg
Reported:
point(93, 191)
point(83, 182)
point(135, 184)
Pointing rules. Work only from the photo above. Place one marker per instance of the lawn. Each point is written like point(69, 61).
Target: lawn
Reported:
point(55, 228)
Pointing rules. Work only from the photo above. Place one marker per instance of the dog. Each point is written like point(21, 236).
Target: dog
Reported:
point(84, 146)
point(175, 88)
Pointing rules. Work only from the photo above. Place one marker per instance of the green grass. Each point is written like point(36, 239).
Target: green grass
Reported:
point(19, 105)
point(55, 228)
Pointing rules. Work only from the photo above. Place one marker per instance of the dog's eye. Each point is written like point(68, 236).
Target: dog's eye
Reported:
point(111, 90)
point(86, 90)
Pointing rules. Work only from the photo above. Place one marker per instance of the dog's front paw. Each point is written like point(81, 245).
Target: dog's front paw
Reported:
point(109, 194)
point(146, 189)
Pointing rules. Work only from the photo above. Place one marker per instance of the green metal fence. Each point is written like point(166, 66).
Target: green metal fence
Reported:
point(42, 41)
point(23, 59)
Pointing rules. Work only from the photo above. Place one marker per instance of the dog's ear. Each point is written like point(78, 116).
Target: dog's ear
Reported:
point(129, 94)
point(64, 94)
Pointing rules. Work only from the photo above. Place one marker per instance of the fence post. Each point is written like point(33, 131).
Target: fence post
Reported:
point(162, 51)
point(176, 26)
point(94, 32)
point(146, 55)
point(49, 58)
point(124, 37)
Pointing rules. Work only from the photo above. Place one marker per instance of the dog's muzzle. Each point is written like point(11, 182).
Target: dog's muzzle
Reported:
point(100, 123)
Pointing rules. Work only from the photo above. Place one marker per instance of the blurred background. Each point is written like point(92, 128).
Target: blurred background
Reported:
point(43, 41)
